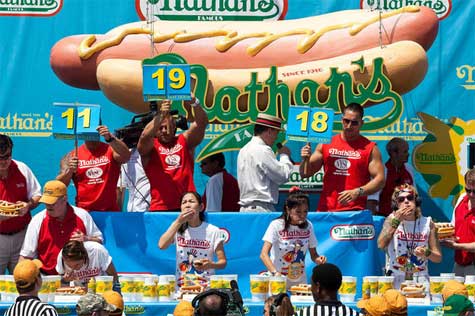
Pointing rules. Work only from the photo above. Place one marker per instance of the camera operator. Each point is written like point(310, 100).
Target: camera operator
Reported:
point(168, 159)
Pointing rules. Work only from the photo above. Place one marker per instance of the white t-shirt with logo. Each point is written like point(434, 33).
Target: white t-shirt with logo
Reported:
point(289, 248)
point(99, 261)
point(196, 243)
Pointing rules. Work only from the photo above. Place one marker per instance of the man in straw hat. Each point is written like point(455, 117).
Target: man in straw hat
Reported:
point(258, 170)
point(52, 228)
point(28, 282)
point(352, 164)
point(94, 305)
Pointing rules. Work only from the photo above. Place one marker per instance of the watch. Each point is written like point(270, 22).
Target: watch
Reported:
point(110, 140)
point(360, 191)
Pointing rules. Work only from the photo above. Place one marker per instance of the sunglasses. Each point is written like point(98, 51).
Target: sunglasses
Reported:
point(348, 121)
point(409, 197)
point(469, 190)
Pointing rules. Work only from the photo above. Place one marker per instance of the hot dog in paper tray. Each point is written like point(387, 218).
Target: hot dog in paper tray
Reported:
point(300, 49)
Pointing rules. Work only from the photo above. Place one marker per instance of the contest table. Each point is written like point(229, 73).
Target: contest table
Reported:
point(165, 308)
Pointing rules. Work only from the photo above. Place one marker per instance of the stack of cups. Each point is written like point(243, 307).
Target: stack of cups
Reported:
point(370, 286)
point(139, 281)
point(163, 288)
point(436, 286)
point(226, 280)
point(171, 279)
point(259, 287)
point(348, 289)
point(104, 283)
point(127, 287)
point(277, 284)
point(215, 281)
point(470, 285)
point(149, 290)
point(385, 283)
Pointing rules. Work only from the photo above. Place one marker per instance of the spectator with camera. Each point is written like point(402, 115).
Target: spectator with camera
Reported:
point(95, 168)
point(197, 241)
point(168, 159)
point(211, 303)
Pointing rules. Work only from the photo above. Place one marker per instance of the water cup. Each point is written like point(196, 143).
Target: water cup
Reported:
point(385, 283)
point(171, 279)
point(470, 285)
point(215, 281)
point(45, 291)
point(347, 289)
point(104, 283)
point(277, 284)
point(2, 287)
point(149, 290)
point(53, 286)
point(10, 289)
point(259, 287)
point(449, 276)
point(226, 279)
point(370, 286)
point(459, 279)
point(127, 288)
point(139, 281)
point(435, 288)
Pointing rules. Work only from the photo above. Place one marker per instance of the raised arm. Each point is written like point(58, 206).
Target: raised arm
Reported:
point(195, 134)
point(68, 167)
point(120, 151)
point(145, 143)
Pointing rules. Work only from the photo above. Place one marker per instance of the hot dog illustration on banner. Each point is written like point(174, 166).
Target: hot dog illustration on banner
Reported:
point(242, 54)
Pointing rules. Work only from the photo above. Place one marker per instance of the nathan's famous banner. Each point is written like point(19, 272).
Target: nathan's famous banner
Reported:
point(396, 57)
point(131, 239)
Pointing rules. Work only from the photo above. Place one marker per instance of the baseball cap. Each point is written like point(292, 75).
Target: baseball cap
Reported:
point(269, 121)
point(52, 191)
point(90, 303)
point(396, 301)
point(115, 299)
point(26, 272)
point(183, 308)
point(375, 306)
point(453, 287)
point(455, 304)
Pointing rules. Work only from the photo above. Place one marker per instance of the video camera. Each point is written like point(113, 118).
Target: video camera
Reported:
point(232, 300)
point(130, 134)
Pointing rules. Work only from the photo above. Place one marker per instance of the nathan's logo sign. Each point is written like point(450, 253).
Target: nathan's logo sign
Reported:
point(353, 232)
point(313, 183)
point(443, 155)
point(27, 124)
point(467, 72)
point(211, 10)
point(441, 7)
point(63, 310)
point(134, 309)
point(30, 8)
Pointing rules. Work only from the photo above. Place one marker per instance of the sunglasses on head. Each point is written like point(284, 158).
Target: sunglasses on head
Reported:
point(348, 121)
point(469, 190)
point(409, 197)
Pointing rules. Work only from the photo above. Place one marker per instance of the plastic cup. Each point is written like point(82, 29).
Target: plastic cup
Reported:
point(163, 291)
point(459, 279)
point(226, 280)
point(347, 289)
point(138, 285)
point(370, 286)
point(385, 283)
point(450, 276)
point(215, 281)
point(55, 284)
point(436, 285)
point(259, 287)
point(10, 289)
point(149, 290)
point(104, 283)
point(277, 284)
point(171, 279)
point(470, 285)
point(45, 290)
point(2, 287)
point(127, 288)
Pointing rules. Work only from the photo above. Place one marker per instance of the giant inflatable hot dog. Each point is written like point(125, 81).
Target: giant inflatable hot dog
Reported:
point(232, 50)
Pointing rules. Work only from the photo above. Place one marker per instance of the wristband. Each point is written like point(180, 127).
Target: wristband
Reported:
point(360, 191)
point(427, 252)
point(395, 223)
point(110, 140)
point(196, 103)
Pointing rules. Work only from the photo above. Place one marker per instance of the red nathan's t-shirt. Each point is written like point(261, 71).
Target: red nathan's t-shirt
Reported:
point(346, 168)
point(170, 172)
point(465, 231)
point(96, 179)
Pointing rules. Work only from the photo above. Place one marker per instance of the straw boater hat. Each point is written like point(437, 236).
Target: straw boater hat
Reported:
point(269, 121)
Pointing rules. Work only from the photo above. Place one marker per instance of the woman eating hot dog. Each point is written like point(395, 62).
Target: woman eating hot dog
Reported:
point(288, 238)
point(79, 261)
point(189, 230)
point(408, 238)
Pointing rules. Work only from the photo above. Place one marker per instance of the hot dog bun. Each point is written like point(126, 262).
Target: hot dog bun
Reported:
point(301, 289)
point(75, 59)
point(71, 290)
point(445, 230)
point(405, 64)
point(10, 209)
point(413, 290)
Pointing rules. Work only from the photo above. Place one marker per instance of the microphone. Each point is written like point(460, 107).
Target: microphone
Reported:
point(237, 298)
point(279, 146)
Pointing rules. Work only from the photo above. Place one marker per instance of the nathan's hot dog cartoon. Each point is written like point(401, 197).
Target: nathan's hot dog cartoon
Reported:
point(301, 49)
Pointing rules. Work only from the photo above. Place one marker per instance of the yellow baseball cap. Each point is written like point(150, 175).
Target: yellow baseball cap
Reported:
point(26, 272)
point(53, 190)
